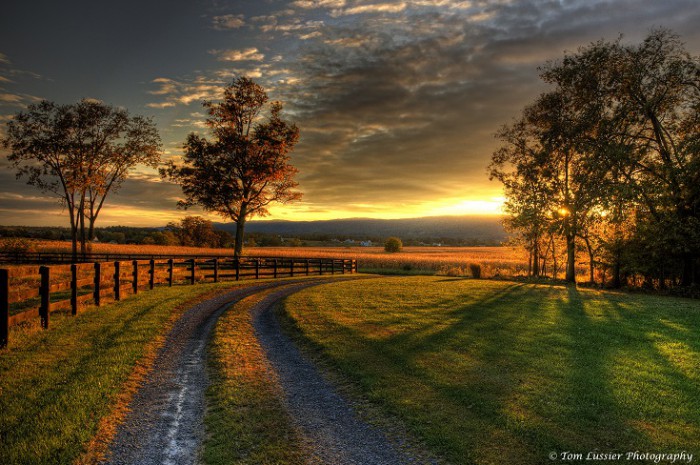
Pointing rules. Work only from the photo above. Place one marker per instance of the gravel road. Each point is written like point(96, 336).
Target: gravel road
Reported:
point(165, 422)
point(328, 423)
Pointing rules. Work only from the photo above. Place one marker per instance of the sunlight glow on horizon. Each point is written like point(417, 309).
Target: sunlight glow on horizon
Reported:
point(304, 212)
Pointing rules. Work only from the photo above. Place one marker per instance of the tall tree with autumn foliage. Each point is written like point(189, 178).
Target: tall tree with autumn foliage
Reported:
point(620, 135)
point(245, 167)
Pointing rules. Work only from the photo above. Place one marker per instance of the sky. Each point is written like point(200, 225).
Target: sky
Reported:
point(397, 101)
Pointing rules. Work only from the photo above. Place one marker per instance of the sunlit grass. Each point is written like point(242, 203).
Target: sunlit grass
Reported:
point(495, 372)
point(62, 390)
point(246, 420)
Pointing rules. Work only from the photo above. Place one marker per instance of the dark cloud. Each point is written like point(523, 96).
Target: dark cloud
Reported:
point(397, 102)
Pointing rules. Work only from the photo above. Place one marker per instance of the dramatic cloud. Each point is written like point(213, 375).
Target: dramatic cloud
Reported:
point(371, 8)
point(397, 101)
point(182, 92)
point(314, 4)
point(228, 22)
point(249, 54)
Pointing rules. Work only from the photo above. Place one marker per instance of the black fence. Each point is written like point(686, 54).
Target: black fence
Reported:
point(33, 292)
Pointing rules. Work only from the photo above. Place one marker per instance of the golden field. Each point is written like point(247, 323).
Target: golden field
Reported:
point(494, 261)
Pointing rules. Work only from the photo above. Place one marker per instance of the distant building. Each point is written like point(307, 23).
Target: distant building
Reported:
point(366, 244)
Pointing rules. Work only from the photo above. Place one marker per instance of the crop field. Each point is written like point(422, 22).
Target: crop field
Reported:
point(492, 372)
point(494, 261)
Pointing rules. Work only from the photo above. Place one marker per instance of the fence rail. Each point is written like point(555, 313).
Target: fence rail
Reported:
point(34, 292)
point(53, 258)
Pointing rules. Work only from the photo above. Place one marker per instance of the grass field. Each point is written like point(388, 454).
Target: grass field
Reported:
point(494, 261)
point(493, 372)
point(62, 391)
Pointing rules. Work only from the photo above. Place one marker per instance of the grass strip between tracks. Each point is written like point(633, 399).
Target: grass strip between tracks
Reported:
point(246, 421)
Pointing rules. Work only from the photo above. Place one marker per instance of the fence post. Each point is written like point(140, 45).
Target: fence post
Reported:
point(4, 307)
point(291, 267)
point(192, 264)
point(257, 268)
point(307, 267)
point(152, 271)
point(117, 278)
point(98, 277)
point(275, 268)
point(216, 270)
point(135, 281)
point(170, 272)
point(343, 266)
point(74, 289)
point(44, 292)
point(332, 265)
point(320, 266)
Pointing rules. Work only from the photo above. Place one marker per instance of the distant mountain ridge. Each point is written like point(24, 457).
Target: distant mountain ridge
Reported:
point(482, 228)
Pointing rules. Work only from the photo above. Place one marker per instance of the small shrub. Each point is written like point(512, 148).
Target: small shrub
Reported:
point(393, 244)
point(407, 267)
point(475, 270)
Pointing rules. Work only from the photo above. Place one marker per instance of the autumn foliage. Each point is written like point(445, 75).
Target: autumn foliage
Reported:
point(606, 165)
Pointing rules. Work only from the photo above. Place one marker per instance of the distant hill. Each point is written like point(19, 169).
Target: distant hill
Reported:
point(470, 228)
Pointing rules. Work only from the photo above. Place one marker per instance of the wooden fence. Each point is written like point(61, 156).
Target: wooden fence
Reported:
point(53, 258)
point(30, 292)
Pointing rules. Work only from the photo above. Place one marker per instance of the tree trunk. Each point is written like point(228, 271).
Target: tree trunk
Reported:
point(91, 228)
point(74, 239)
point(687, 278)
point(73, 230)
point(570, 258)
point(81, 222)
point(238, 247)
point(555, 266)
point(617, 281)
point(591, 264)
point(536, 258)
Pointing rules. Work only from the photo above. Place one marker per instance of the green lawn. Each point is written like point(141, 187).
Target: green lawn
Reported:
point(495, 372)
point(63, 391)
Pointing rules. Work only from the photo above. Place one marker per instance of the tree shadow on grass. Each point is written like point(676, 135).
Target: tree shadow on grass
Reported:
point(515, 373)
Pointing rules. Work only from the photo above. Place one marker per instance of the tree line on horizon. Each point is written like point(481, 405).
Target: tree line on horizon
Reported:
point(604, 168)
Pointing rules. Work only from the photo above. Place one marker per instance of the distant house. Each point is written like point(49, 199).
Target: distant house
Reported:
point(366, 243)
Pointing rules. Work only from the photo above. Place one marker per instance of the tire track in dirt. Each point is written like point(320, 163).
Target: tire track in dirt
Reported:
point(329, 425)
point(165, 420)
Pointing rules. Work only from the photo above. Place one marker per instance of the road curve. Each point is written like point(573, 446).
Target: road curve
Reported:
point(165, 420)
point(165, 425)
point(330, 428)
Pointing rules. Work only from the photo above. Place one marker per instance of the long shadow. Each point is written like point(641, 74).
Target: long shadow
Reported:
point(592, 417)
point(671, 386)
point(532, 367)
point(493, 333)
